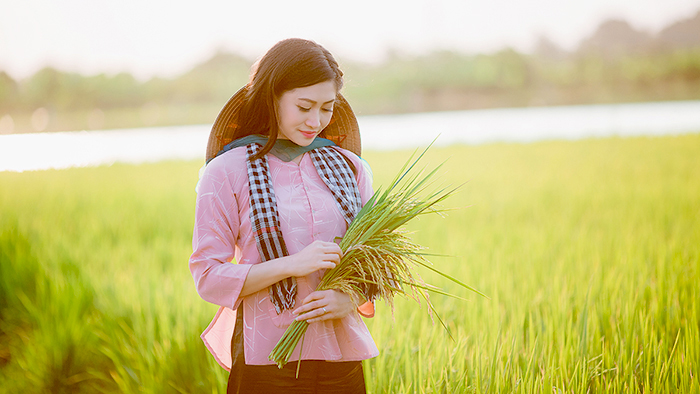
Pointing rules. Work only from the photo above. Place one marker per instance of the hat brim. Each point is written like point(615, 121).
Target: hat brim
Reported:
point(342, 129)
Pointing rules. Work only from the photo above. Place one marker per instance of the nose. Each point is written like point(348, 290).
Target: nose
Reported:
point(313, 120)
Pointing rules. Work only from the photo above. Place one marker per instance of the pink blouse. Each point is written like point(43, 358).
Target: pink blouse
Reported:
point(222, 232)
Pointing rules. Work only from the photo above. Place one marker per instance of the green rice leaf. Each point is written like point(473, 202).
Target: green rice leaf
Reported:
point(378, 255)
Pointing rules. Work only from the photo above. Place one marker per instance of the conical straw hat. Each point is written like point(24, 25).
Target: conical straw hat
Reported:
point(342, 129)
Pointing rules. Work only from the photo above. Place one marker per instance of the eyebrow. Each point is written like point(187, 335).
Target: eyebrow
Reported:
point(314, 102)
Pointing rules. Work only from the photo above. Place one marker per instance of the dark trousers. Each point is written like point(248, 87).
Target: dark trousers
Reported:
point(315, 376)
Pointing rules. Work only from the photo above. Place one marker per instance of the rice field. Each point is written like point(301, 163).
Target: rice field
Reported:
point(589, 252)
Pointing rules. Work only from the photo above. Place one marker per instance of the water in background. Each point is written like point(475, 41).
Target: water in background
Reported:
point(22, 152)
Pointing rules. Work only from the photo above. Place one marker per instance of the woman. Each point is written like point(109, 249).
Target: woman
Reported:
point(281, 186)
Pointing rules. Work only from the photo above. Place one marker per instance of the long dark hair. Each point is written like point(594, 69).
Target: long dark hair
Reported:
point(289, 64)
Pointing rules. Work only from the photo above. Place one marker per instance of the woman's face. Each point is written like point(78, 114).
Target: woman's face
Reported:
point(305, 112)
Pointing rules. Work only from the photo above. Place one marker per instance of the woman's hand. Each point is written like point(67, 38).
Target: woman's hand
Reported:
point(316, 256)
point(324, 305)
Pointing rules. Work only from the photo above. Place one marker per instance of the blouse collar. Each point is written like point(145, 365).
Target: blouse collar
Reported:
point(284, 150)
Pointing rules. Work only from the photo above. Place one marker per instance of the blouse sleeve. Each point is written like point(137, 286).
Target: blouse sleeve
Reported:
point(216, 278)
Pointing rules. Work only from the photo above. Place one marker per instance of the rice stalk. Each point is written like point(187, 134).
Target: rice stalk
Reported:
point(379, 259)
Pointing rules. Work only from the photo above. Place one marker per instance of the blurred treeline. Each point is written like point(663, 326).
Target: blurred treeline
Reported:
point(617, 63)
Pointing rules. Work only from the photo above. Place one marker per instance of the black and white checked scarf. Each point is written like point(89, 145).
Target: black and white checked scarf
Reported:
point(336, 173)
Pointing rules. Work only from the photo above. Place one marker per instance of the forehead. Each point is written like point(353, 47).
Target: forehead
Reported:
point(321, 92)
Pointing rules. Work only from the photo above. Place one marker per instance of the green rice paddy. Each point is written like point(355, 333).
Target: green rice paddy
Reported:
point(589, 252)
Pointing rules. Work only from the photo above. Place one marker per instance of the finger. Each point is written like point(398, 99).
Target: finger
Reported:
point(312, 301)
point(336, 250)
point(315, 295)
point(323, 265)
point(317, 314)
point(328, 246)
point(322, 315)
point(318, 295)
point(307, 308)
point(330, 256)
point(331, 248)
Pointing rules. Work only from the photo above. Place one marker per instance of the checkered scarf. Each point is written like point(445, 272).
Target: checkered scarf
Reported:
point(336, 173)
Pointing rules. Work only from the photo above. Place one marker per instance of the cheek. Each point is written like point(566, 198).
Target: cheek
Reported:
point(287, 116)
point(325, 120)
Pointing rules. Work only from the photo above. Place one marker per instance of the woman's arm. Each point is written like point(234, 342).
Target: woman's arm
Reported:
point(216, 229)
point(213, 241)
point(316, 256)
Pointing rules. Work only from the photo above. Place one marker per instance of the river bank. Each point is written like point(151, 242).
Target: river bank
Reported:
point(38, 151)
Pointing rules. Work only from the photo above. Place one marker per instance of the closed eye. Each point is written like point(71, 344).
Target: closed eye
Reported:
point(304, 109)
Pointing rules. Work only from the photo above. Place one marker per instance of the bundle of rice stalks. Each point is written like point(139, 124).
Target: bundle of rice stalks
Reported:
point(378, 258)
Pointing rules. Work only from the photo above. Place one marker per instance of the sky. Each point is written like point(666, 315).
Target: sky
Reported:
point(165, 38)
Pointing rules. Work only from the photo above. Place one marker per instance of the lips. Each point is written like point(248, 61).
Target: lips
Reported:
point(308, 134)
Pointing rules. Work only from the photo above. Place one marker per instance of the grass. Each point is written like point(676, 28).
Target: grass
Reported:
point(588, 250)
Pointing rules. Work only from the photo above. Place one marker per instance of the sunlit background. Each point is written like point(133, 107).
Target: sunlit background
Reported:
point(572, 126)
point(164, 38)
point(84, 65)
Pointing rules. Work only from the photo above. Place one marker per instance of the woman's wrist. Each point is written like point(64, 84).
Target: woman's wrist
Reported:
point(284, 265)
point(265, 274)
